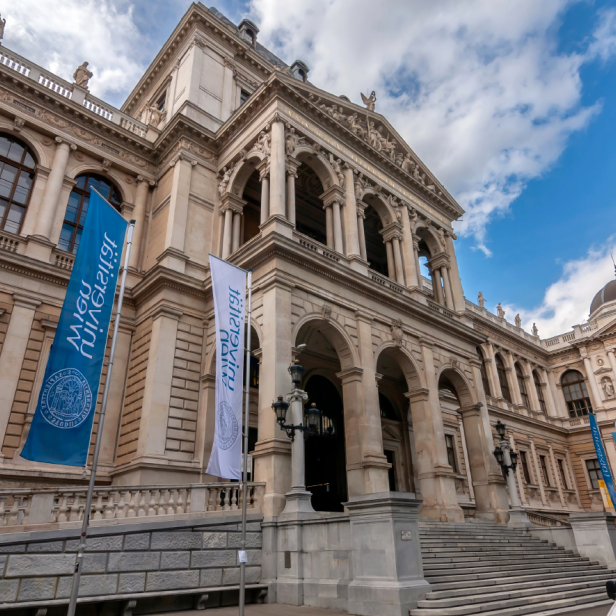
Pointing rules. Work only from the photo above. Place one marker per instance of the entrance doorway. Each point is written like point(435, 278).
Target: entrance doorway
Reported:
point(325, 451)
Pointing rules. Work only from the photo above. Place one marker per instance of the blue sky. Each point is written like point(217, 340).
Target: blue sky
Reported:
point(512, 105)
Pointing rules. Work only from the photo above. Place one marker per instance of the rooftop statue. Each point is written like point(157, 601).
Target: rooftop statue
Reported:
point(2, 24)
point(369, 102)
point(82, 75)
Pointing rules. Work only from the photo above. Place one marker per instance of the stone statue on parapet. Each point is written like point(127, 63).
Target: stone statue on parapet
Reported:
point(2, 24)
point(370, 101)
point(535, 330)
point(481, 300)
point(82, 75)
point(518, 320)
point(499, 311)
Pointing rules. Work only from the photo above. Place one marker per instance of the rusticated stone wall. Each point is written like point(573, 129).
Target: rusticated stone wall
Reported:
point(128, 560)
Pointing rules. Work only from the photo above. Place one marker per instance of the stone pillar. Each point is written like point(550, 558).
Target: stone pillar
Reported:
point(143, 187)
point(573, 479)
point(362, 233)
point(391, 268)
point(490, 364)
point(13, 354)
point(555, 396)
point(595, 536)
point(237, 227)
point(514, 387)
point(447, 286)
point(177, 217)
point(518, 472)
point(531, 388)
point(329, 225)
point(436, 286)
point(272, 452)
point(386, 556)
point(227, 233)
point(408, 250)
point(338, 245)
point(36, 198)
point(265, 195)
point(398, 260)
point(556, 472)
point(53, 188)
point(351, 226)
point(595, 394)
point(436, 477)
point(369, 473)
point(538, 472)
point(456, 282)
point(612, 359)
point(417, 264)
point(488, 482)
point(277, 170)
point(291, 175)
point(158, 381)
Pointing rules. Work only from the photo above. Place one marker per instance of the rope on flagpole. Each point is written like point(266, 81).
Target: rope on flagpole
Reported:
point(245, 456)
point(86, 514)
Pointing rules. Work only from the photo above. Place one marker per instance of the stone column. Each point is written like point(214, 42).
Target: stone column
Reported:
point(369, 473)
point(595, 394)
point(291, 175)
point(237, 227)
point(272, 452)
point(538, 472)
point(435, 475)
point(277, 170)
point(362, 233)
point(518, 472)
point(556, 472)
point(351, 226)
point(514, 387)
point(227, 233)
point(265, 195)
point(447, 286)
point(329, 225)
point(436, 286)
point(531, 388)
point(612, 359)
point(417, 264)
point(13, 354)
point(177, 217)
point(143, 187)
point(53, 188)
point(391, 267)
point(408, 250)
point(158, 382)
point(398, 260)
point(338, 245)
point(490, 364)
point(456, 282)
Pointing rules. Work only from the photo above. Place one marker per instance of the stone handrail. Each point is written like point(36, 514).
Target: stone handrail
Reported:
point(540, 519)
point(10, 242)
point(386, 282)
point(61, 507)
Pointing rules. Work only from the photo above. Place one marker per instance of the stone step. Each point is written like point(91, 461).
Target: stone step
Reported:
point(461, 589)
point(575, 609)
point(492, 557)
point(462, 579)
point(480, 565)
point(427, 553)
point(500, 593)
point(516, 607)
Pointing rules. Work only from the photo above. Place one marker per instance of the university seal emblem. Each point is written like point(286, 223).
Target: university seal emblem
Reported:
point(67, 399)
point(228, 428)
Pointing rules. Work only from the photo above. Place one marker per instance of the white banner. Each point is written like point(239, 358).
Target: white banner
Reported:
point(229, 290)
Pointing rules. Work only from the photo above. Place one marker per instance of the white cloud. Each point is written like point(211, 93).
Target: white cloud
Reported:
point(59, 36)
point(567, 301)
point(478, 88)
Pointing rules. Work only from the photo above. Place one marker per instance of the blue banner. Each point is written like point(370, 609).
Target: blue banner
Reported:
point(62, 423)
point(602, 458)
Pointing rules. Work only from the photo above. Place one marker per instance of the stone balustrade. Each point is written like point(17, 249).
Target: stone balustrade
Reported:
point(64, 507)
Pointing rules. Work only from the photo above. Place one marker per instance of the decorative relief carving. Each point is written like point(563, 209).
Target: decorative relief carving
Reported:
point(18, 124)
point(397, 332)
point(326, 311)
point(226, 177)
point(79, 156)
point(608, 388)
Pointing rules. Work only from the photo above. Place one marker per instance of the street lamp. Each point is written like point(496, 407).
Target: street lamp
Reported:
point(508, 460)
point(313, 419)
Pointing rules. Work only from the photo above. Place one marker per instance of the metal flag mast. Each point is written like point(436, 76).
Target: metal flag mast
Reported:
point(245, 454)
point(86, 514)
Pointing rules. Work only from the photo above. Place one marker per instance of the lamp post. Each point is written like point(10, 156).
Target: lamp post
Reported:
point(508, 461)
point(298, 499)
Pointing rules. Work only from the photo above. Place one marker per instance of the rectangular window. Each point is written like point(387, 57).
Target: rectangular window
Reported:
point(160, 103)
point(451, 452)
point(563, 475)
point(544, 471)
point(525, 469)
point(243, 97)
point(594, 472)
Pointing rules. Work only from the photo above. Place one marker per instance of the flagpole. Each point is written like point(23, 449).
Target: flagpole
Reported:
point(86, 514)
point(245, 457)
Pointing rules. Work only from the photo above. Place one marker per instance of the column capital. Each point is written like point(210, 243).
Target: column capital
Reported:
point(471, 409)
point(232, 202)
point(421, 394)
point(62, 140)
point(361, 209)
point(170, 312)
point(332, 194)
point(392, 231)
point(350, 374)
point(26, 301)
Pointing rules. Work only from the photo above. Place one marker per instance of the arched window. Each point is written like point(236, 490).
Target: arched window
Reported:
point(77, 207)
point(484, 374)
point(522, 385)
point(576, 394)
point(539, 389)
point(502, 378)
point(16, 177)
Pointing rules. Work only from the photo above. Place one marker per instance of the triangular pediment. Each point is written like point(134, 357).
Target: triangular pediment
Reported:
point(379, 134)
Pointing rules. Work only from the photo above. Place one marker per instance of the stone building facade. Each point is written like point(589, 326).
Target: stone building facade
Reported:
point(222, 148)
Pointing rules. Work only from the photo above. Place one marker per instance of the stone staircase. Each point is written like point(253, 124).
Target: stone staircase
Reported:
point(490, 570)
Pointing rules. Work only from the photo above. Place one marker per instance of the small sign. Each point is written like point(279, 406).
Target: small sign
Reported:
point(406, 535)
point(242, 556)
